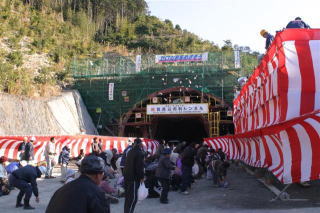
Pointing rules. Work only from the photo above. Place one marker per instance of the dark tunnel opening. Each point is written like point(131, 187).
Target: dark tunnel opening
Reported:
point(181, 128)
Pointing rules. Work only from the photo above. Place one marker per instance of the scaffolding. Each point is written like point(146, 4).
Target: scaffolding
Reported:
point(115, 65)
point(217, 76)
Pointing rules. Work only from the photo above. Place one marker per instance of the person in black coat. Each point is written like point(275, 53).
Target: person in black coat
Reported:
point(201, 159)
point(22, 148)
point(163, 173)
point(124, 155)
point(221, 154)
point(187, 159)
point(297, 23)
point(151, 181)
point(82, 195)
point(28, 150)
point(133, 175)
point(25, 179)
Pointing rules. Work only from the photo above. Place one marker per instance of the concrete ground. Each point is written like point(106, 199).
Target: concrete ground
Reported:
point(245, 195)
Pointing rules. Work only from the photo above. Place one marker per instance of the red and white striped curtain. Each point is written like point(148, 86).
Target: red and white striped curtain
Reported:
point(277, 113)
point(285, 85)
point(9, 145)
point(289, 150)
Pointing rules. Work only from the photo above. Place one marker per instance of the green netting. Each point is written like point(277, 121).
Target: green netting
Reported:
point(120, 65)
point(217, 76)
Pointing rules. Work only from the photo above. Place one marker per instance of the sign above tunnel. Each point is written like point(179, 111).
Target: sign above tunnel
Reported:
point(195, 57)
point(177, 109)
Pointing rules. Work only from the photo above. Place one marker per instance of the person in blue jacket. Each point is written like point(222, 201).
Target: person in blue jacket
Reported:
point(297, 23)
point(25, 179)
point(124, 155)
point(13, 166)
point(269, 38)
point(63, 161)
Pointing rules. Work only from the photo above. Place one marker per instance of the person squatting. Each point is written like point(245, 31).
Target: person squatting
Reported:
point(104, 176)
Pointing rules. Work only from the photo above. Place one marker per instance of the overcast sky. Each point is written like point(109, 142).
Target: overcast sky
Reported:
point(237, 20)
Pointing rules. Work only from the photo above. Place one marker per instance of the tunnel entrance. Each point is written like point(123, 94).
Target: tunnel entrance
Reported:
point(179, 128)
point(158, 116)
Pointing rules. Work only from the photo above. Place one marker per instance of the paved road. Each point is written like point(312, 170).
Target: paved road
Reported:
point(245, 195)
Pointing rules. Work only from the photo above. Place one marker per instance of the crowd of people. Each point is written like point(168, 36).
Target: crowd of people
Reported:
point(107, 175)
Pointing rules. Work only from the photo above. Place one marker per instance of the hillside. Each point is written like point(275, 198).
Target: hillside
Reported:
point(39, 38)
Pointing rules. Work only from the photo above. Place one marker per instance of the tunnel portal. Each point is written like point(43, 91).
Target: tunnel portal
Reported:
point(180, 128)
point(153, 116)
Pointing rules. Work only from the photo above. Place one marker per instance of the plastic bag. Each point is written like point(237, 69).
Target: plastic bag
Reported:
point(195, 169)
point(209, 175)
point(142, 192)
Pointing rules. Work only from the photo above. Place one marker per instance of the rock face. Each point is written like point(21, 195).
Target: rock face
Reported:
point(62, 115)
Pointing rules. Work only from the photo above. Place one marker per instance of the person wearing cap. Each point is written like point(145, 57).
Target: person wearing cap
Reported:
point(22, 148)
point(163, 173)
point(133, 173)
point(25, 179)
point(50, 154)
point(83, 194)
point(269, 38)
point(297, 23)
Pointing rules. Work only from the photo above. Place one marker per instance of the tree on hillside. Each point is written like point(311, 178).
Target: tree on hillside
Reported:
point(227, 45)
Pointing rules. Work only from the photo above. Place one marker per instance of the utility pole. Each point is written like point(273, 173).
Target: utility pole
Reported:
point(222, 89)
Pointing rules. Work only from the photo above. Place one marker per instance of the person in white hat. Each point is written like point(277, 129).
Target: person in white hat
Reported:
point(25, 179)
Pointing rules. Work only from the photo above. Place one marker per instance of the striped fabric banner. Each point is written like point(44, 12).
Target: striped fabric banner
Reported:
point(285, 85)
point(9, 145)
point(289, 150)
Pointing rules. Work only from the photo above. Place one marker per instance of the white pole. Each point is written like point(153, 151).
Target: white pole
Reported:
point(222, 89)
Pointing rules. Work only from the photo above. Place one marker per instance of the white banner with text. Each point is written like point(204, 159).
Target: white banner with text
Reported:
point(181, 109)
